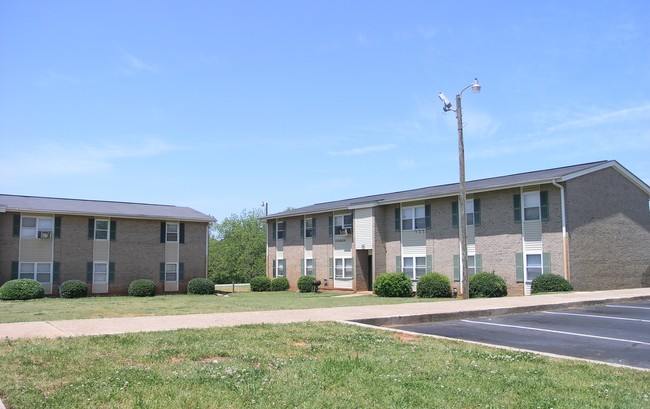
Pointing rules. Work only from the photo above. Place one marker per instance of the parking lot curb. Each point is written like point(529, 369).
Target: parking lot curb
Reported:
point(447, 316)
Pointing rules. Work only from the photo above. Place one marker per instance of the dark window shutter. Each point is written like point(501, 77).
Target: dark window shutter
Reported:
point(543, 200)
point(331, 223)
point(181, 233)
point(398, 219)
point(14, 268)
point(163, 232)
point(111, 272)
point(56, 269)
point(519, 266)
point(89, 272)
point(274, 269)
point(284, 230)
point(275, 227)
point(162, 272)
point(302, 228)
point(398, 264)
point(57, 227)
point(456, 268)
point(181, 271)
point(331, 261)
point(16, 226)
point(478, 261)
point(546, 263)
point(477, 212)
point(429, 263)
point(427, 215)
point(113, 229)
point(454, 214)
point(516, 201)
point(91, 228)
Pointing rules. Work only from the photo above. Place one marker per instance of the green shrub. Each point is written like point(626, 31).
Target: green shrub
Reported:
point(393, 285)
point(434, 285)
point(73, 289)
point(260, 283)
point(142, 288)
point(22, 289)
point(279, 284)
point(200, 286)
point(487, 285)
point(550, 283)
point(306, 284)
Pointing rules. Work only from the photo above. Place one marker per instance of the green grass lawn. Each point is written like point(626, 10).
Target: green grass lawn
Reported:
point(49, 309)
point(311, 365)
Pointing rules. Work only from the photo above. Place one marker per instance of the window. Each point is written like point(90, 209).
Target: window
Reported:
point(413, 218)
point(309, 227)
point(40, 272)
point(343, 268)
point(28, 227)
point(469, 207)
point(37, 227)
point(471, 266)
point(343, 225)
point(281, 268)
point(281, 229)
point(101, 229)
point(171, 272)
point(100, 271)
point(415, 267)
point(309, 267)
point(473, 210)
point(531, 206)
point(533, 266)
point(172, 233)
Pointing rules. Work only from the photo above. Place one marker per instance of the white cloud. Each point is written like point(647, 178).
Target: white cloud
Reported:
point(135, 64)
point(364, 150)
point(603, 118)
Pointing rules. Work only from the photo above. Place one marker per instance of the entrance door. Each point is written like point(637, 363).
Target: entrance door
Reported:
point(370, 273)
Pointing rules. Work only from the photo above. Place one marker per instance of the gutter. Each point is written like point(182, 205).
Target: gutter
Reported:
point(565, 242)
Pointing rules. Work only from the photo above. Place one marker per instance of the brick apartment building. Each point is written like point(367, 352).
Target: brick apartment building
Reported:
point(589, 223)
point(106, 244)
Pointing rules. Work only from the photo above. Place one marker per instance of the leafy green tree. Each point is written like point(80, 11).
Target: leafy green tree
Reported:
point(237, 248)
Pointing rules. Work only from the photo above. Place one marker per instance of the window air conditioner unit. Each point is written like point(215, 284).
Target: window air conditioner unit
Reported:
point(44, 234)
point(346, 232)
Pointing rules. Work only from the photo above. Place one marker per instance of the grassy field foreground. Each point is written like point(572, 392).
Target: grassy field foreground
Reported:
point(49, 309)
point(300, 366)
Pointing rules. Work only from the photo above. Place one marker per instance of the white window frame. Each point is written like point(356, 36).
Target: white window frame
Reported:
point(342, 224)
point(534, 266)
point(309, 227)
point(343, 269)
point(100, 270)
point(40, 224)
point(170, 235)
point(309, 267)
point(171, 269)
point(45, 269)
point(414, 218)
point(471, 265)
point(414, 267)
point(280, 266)
point(99, 231)
point(532, 200)
point(469, 207)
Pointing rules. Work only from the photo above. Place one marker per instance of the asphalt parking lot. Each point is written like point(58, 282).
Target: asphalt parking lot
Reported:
point(617, 333)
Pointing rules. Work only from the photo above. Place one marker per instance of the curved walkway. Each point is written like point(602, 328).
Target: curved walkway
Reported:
point(382, 314)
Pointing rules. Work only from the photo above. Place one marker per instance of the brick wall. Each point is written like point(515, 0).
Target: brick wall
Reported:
point(8, 246)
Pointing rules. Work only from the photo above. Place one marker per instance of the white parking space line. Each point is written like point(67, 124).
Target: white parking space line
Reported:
point(595, 316)
point(627, 306)
point(557, 332)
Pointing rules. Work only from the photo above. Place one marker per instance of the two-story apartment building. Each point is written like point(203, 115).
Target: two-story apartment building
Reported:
point(106, 244)
point(589, 223)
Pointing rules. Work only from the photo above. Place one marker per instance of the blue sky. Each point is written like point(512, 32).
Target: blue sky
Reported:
point(222, 105)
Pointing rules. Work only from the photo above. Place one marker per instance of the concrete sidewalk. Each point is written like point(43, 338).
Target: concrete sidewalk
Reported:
point(377, 314)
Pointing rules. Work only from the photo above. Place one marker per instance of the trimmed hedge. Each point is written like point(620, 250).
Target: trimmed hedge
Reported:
point(200, 286)
point(22, 289)
point(434, 285)
point(550, 283)
point(487, 285)
point(306, 284)
point(142, 288)
point(393, 285)
point(73, 289)
point(260, 283)
point(279, 284)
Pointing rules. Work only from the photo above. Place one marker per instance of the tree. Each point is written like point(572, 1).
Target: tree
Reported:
point(237, 248)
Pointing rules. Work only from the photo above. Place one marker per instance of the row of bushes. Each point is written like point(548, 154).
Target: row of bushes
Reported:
point(263, 283)
point(28, 289)
point(481, 285)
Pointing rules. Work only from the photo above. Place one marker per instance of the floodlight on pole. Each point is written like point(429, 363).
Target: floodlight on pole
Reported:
point(462, 196)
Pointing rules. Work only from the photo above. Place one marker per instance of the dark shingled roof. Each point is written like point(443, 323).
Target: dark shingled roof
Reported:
point(474, 186)
point(13, 203)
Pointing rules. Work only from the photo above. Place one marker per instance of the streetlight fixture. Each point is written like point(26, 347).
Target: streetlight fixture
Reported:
point(265, 205)
point(462, 209)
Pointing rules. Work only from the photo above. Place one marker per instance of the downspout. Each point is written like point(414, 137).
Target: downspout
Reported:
point(565, 242)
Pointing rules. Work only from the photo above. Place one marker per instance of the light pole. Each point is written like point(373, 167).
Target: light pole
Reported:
point(265, 205)
point(462, 209)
